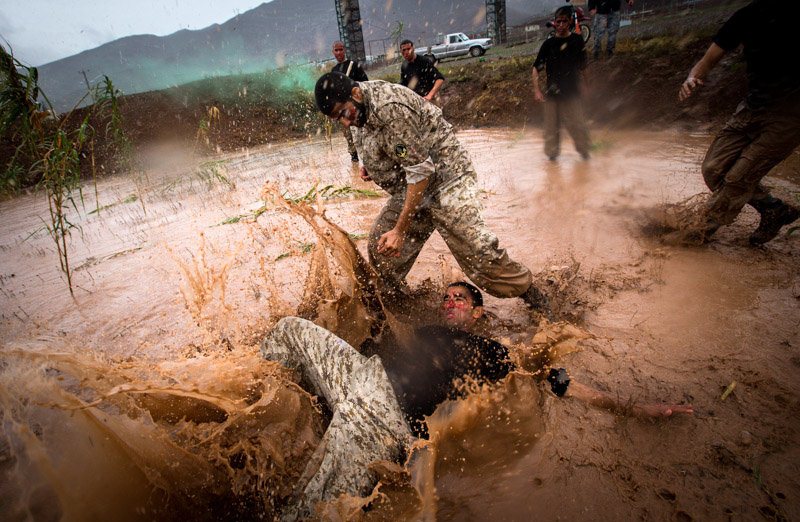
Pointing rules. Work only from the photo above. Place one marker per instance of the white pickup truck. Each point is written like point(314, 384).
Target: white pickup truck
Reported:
point(455, 44)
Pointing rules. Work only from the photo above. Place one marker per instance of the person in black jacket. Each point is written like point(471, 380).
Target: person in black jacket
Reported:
point(418, 73)
point(605, 19)
point(563, 58)
point(764, 129)
point(352, 70)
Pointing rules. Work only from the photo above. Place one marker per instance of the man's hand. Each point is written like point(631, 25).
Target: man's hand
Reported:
point(630, 3)
point(592, 12)
point(363, 174)
point(689, 85)
point(390, 243)
point(538, 96)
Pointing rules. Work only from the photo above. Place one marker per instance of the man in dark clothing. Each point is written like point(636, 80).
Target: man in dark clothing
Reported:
point(605, 19)
point(352, 70)
point(418, 72)
point(379, 399)
point(563, 58)
point(765, 128)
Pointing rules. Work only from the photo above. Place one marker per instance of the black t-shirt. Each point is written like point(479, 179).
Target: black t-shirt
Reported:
point(419, 75)
point(424, 374)
point(563, 59)
point(604, 6)
point(770, 49)
point(356, 72)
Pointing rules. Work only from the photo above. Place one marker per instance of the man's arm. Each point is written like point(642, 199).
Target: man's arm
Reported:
point(615, 403)
point(392, 241)
point(537, 91)
point(700, 70)
point(436, 86)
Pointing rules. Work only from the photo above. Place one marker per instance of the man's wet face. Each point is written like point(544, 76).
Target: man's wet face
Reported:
point(338, 52)
point(349, 113)
point(457, 308)
point(407, 50)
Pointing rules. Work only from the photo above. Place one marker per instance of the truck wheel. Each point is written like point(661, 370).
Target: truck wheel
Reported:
point(475, 51)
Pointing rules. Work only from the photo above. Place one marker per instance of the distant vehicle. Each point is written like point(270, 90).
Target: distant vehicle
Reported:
point(455, 44)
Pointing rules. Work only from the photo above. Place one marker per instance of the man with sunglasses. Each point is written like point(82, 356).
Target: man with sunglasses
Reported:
point(563, 58)
point(411, 151)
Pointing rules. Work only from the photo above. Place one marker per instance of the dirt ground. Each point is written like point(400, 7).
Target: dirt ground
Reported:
point(180, 274)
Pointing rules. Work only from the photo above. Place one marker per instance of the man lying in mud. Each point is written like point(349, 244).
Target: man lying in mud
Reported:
point(762, 132)
point(411, 151)
point(379, 401)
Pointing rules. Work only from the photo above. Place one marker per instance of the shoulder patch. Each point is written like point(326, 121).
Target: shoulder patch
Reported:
point(401, 150)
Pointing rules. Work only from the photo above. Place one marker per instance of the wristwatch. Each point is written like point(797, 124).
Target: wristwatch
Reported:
point(559, 381)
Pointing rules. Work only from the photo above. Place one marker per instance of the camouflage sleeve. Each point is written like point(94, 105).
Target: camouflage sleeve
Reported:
point(407, 141)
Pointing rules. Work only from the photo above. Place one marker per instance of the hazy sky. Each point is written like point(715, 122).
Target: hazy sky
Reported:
point(41, 31)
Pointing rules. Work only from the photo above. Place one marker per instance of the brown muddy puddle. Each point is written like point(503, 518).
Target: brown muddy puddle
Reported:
point(144, 396)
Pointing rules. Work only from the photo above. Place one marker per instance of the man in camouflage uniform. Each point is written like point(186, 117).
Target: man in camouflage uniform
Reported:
point(411, 151)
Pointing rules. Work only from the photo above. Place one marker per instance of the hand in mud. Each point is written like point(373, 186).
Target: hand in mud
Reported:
point(665, 410)
point(688, 87)
point(363, 174)
point(390, 243)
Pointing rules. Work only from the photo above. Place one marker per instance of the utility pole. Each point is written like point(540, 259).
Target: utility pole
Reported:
point(496, 20)
point(348, 16)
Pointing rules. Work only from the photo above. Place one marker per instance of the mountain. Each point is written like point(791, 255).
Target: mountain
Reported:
point(271, 35)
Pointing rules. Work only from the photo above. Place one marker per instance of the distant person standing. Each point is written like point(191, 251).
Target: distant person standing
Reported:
point(418, 72)
point(605, 19)
point(352, 70)
point(563, 58)
point(765, 128)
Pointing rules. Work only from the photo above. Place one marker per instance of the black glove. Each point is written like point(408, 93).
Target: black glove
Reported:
point(559, 381)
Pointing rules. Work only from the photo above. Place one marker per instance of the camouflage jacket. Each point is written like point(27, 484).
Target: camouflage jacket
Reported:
point(402, 137)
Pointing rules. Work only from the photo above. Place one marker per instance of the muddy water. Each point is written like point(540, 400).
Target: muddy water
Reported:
point(180, 273)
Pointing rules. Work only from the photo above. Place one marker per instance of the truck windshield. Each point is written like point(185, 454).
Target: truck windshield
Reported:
point(462, 37)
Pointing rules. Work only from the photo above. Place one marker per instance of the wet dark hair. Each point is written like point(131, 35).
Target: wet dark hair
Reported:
point(563, 11)
point(477, 297)
point(406, 41)
point(332, 88)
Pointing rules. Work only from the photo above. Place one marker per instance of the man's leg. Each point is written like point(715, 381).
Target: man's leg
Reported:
point(351, 146)
point(575, 122)
point(613, 28)
point(552, 140)
point(598, 28)
point(476, 249)
point(393, 270)
point(775, 135)
point(367, 424)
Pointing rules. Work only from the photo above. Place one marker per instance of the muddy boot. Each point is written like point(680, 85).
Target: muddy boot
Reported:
point(774, 215)
point(536, 300)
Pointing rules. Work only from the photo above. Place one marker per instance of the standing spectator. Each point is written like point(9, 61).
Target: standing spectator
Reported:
point(765, 128)
point(352, 70)
point(564, 59)
point(418, 72)
point(605, 19)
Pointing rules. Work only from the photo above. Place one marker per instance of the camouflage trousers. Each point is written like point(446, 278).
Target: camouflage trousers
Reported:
point(351, 146)
point(748, 147)
point(453, 209)
point(367, 425)
point(569, 113)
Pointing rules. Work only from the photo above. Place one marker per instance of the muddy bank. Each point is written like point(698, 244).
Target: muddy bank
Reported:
point(180, 274)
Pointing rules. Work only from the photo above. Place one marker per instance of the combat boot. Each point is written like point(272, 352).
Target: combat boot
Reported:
point(536, 300)
point(774, 215)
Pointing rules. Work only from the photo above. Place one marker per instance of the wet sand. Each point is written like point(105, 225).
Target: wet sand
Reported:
point(160, 277)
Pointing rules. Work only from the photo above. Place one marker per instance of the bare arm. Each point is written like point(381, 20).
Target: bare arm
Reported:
point(392, 241)
point(537, 91)
point(608, 401)
point(436, 86)
point(700, 70)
